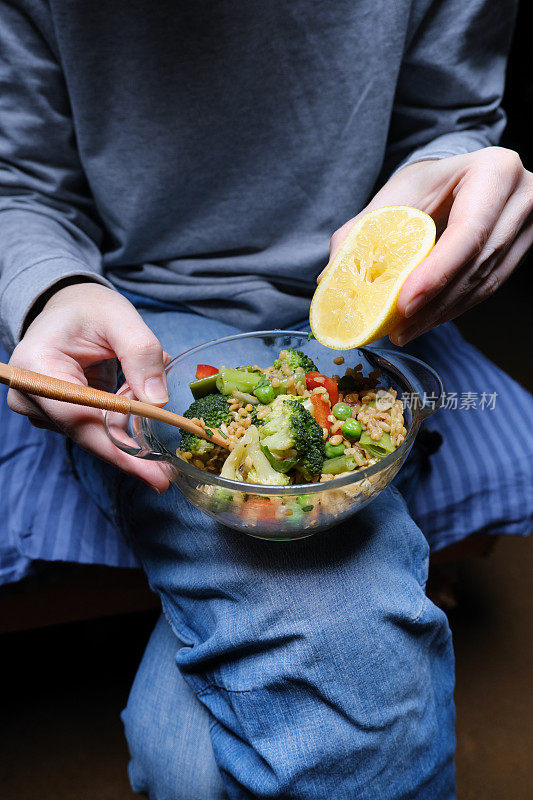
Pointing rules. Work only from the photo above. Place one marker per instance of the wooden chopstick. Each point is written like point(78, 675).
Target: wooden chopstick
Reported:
point(24, 380)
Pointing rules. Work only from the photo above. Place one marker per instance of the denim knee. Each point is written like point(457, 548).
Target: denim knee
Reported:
point(167, 729)
point(326, 669)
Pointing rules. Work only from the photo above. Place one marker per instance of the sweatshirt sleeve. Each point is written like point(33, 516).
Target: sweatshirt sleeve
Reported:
point(48, 225)
point(451, 80)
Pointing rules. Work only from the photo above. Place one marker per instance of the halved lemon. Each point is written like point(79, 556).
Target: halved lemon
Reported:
point(355, 302)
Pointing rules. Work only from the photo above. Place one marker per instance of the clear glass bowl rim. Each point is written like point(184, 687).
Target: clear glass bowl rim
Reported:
point(420, 413)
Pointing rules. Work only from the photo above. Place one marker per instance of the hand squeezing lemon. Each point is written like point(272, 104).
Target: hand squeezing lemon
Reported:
point(355, 302)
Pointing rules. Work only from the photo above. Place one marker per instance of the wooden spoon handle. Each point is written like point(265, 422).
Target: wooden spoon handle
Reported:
point(24, 380)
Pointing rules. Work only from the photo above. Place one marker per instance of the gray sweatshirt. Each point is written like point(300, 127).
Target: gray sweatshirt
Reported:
point(202, 152)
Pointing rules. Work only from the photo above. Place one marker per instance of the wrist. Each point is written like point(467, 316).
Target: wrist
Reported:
point(51, 292)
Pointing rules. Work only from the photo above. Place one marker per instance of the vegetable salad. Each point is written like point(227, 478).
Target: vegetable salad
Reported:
point(289, 423)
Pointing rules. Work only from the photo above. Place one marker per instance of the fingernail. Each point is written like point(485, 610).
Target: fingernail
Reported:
point(156, 390)
point(151, 486)
point(401, 336)
point(415, 304)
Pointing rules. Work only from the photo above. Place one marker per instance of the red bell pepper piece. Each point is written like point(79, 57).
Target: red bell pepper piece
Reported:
point(204, 371)
point(322, 411)
point(259, 507)
point(314, 379)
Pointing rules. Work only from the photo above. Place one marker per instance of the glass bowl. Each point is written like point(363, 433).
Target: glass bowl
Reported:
point(273, 512)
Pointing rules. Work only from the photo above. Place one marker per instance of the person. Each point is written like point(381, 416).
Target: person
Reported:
point(192, 159)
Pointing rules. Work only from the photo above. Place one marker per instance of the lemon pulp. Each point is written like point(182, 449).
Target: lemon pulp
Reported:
point(355, 303)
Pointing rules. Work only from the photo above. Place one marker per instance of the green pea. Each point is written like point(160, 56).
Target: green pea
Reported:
point(334, 450)
point(351, 429)
point(265, 393)
point(342, 410)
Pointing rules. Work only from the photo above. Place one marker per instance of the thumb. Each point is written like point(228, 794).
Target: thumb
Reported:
point(141, 356)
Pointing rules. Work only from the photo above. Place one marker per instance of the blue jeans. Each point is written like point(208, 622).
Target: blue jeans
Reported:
point(309, 669)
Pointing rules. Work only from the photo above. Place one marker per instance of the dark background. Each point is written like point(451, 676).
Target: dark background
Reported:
point(501, 326)
point(63, 688)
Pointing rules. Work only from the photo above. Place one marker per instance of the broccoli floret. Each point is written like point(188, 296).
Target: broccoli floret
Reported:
point(298, 363)
point(248, 450)
point(221, 499)
point(214, 410)
point(290, 437)
point(195, 444)
point(295, 359)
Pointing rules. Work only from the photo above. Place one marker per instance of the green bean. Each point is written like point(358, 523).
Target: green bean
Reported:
point(204, 386)
point(378, 449)
point(229, 380)
point(333, 466)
